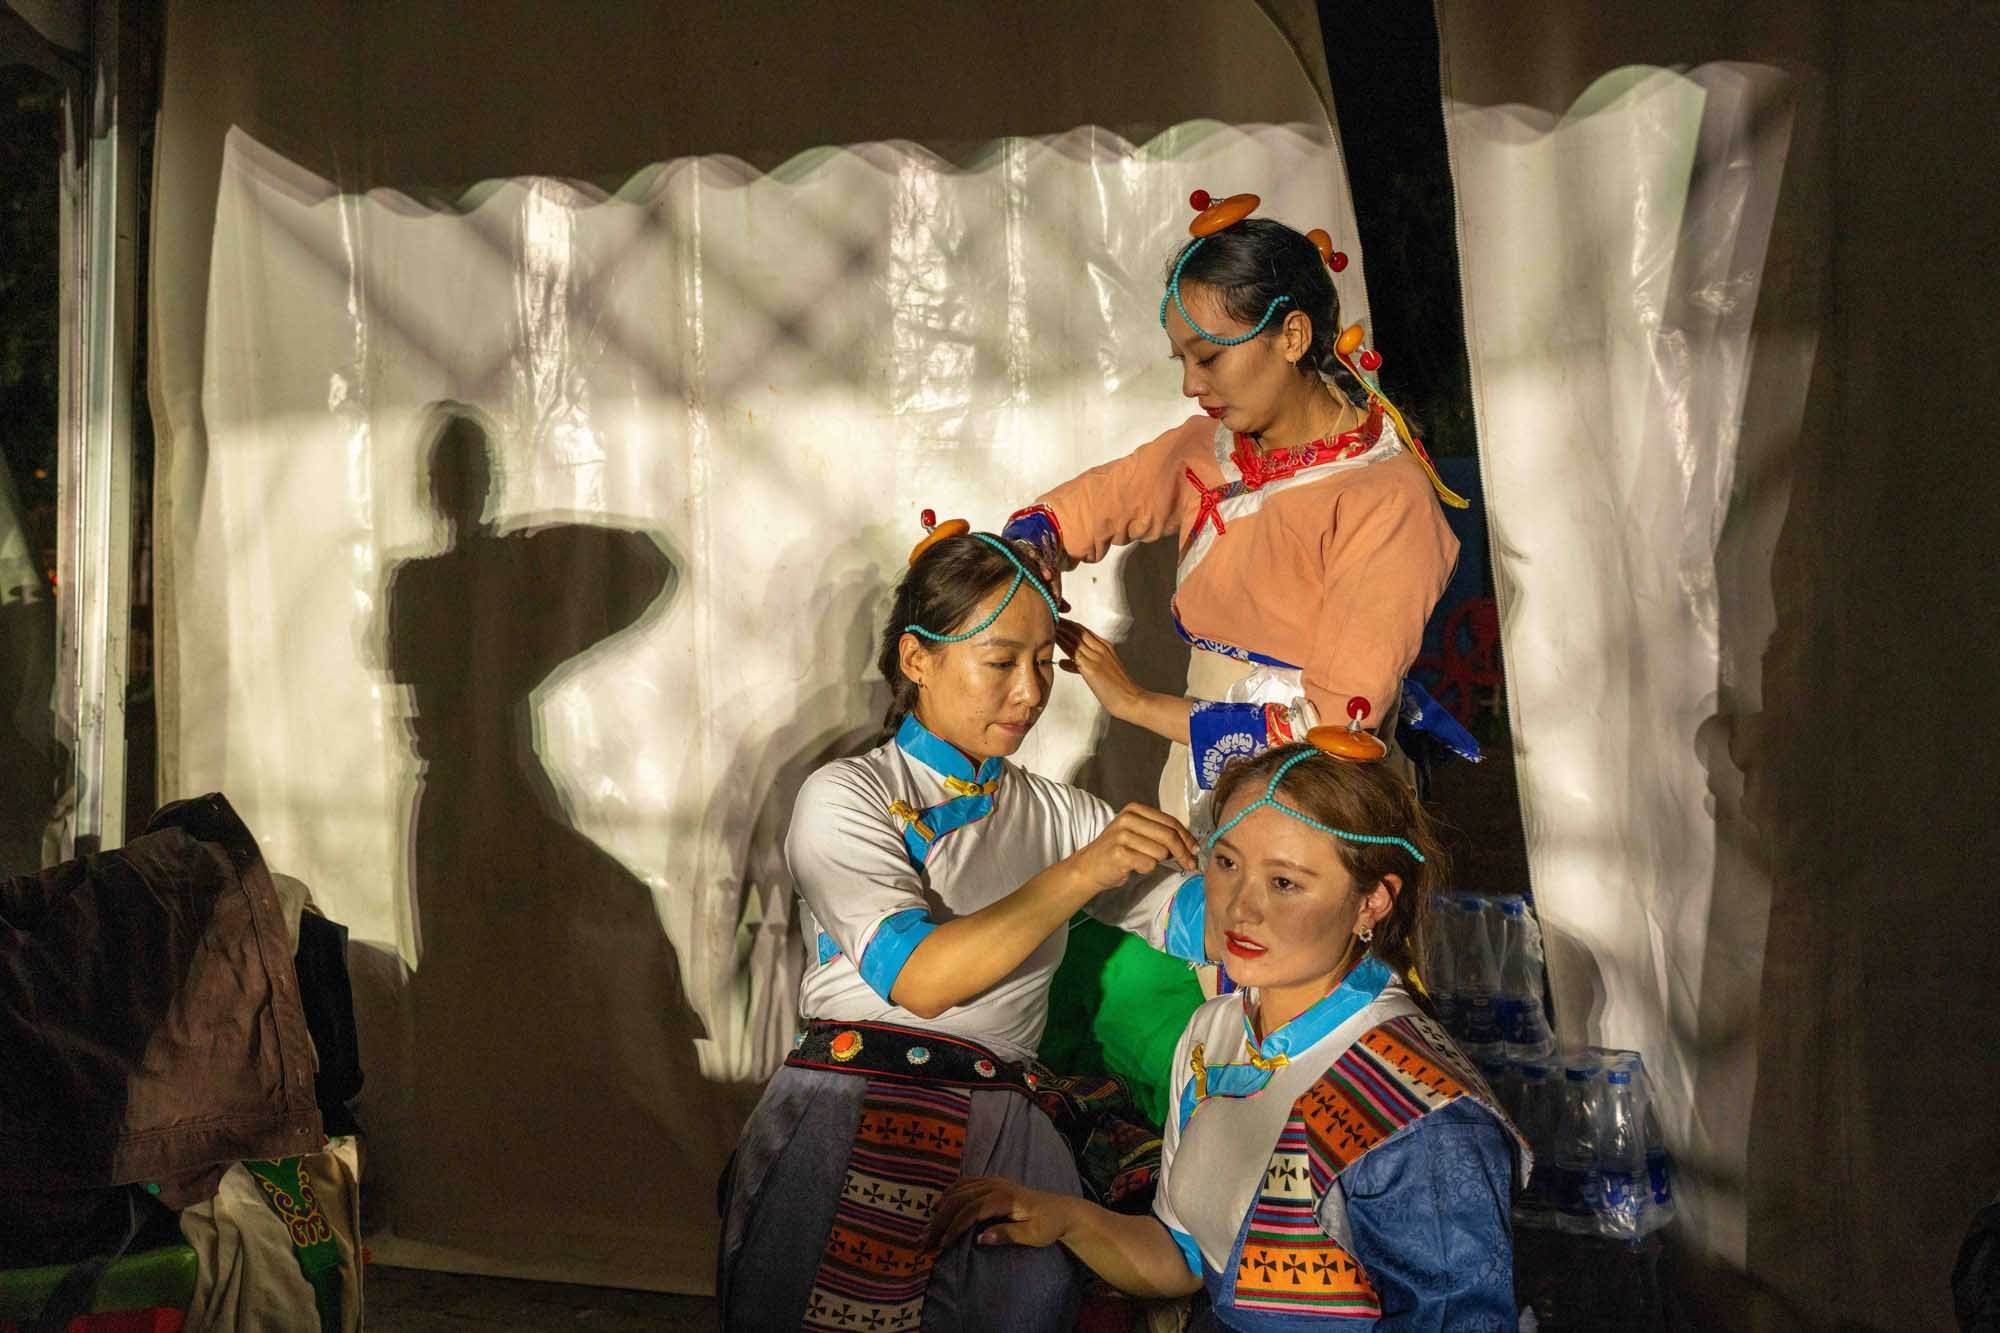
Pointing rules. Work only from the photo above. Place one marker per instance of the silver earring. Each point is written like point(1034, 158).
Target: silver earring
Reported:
point(1367, 933)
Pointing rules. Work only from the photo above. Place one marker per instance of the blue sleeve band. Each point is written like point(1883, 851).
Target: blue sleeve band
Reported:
point(1189, 1250)
point(1187, 917)
point(895, 940)
point(1219, 732)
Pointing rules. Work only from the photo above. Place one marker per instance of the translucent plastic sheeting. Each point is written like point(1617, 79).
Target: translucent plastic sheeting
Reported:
point(546, 750)
point(1612, 261)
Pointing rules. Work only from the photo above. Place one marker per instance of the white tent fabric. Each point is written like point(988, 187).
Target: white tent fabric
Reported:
point(543, 759)
point(1610, 348)
point(1757, 828)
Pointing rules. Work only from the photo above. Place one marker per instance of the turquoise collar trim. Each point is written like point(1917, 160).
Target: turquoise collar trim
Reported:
point(922, 828)
point(1355, 992)
point(1350, 997)
point(924, 745)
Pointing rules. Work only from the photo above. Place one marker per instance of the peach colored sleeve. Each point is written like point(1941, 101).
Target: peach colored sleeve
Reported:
point(1388, 557)
point(1131, 499)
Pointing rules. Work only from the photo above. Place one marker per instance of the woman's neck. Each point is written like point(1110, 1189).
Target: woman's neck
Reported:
point(1279, 1005)
point(1311, 412)
point(973, 759)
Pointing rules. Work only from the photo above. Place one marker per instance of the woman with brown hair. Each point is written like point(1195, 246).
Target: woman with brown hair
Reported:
point(1331, 1156)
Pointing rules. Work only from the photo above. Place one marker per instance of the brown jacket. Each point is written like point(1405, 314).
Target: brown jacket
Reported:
point(150, 1023)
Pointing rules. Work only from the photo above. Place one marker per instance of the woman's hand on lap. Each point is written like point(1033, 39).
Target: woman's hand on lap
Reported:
point(1026, 1216)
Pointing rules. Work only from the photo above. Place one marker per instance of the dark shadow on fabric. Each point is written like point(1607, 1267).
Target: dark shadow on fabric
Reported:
point(548, 1027)
point(763, 896)
point(1881, 962)
point(1125, 763)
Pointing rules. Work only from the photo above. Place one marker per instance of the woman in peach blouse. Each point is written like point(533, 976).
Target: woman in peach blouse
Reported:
point(1312, 547)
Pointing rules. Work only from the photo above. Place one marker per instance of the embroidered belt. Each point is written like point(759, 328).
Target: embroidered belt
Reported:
point(914, 1055)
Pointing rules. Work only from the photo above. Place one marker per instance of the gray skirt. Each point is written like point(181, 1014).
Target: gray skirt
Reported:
point(785, 1182)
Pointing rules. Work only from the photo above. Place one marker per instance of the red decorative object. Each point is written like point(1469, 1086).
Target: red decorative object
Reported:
point(846, 1045)
point(1339, 261)
point(1357, 708)
point(1371, 360)
point(928, 518)
point(1210, 498)
point(1261, 469)
point(1468, 667)
point(1199, 200)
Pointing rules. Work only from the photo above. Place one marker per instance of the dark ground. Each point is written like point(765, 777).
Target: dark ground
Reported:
point(406, 1300)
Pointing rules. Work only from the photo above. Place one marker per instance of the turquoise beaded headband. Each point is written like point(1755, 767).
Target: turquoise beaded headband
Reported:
point(1173, 293)
point(1020, 572)
point(1270, 798)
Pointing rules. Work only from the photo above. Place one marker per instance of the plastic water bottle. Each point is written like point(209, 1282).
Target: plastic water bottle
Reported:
point(1577, 1187)
point(1621, 1154)
point(1441, 964)
point(1478, 982)
point(1524, 1028)
point(1504, 1078)
point(1540, 1103)
point(1659, 1170)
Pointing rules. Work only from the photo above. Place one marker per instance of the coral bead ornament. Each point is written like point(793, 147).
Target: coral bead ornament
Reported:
point(1344, 347)
point(1223, 213)
point(1332, 258)
point(1349, 742)
point(1199, 200)
point(951, 527)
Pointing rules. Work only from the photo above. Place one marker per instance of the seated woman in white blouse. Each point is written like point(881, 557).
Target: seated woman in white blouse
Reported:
point(938, 881)
point(1332, 1159)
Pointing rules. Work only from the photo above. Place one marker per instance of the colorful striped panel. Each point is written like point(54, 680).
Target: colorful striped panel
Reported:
point(906, 1153)
point(1394, 1074)
point(1289, 1265)
point(1390, 1077)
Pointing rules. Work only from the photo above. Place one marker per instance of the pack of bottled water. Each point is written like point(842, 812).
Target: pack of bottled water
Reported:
point(1601, 1164)
point(1485, 976)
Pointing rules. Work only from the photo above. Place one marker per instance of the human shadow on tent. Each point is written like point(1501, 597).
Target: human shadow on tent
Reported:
point(550, 1055)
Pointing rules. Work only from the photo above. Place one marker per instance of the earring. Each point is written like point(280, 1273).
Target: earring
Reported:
point(1366, 934)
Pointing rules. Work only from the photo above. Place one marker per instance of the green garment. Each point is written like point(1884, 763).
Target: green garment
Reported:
point(1119, 1006)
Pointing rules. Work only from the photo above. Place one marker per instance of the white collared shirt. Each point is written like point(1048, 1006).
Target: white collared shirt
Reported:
point(868, 903)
